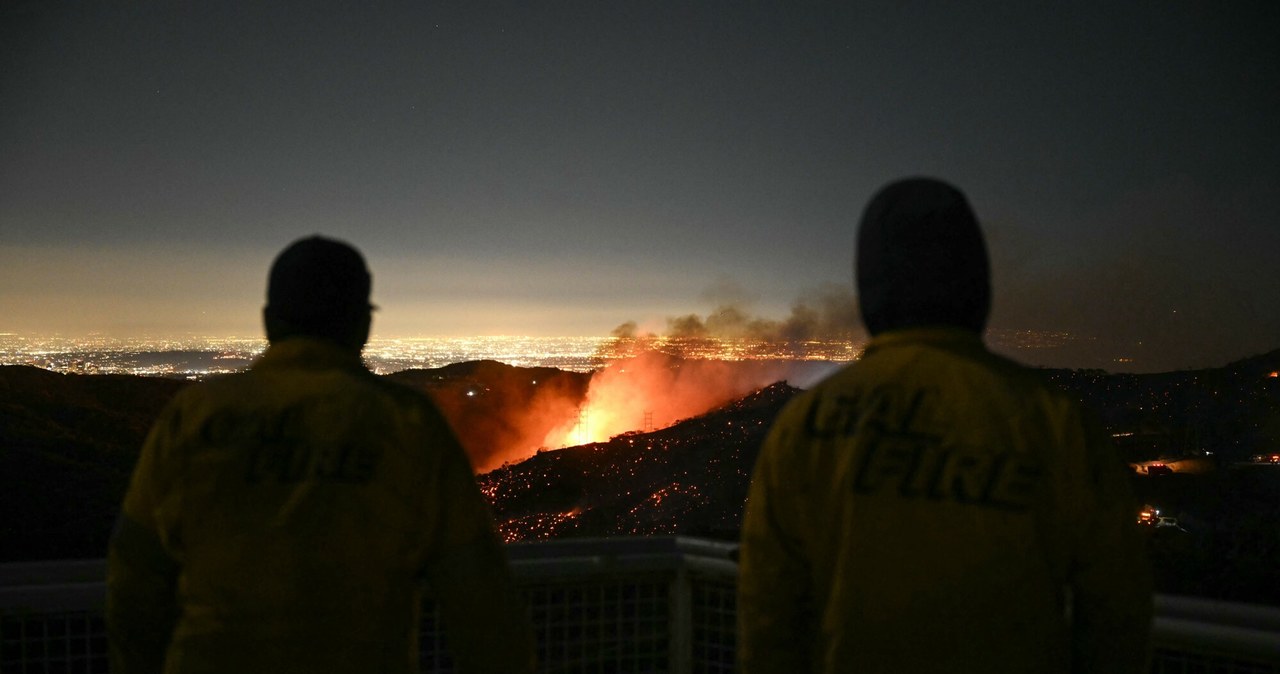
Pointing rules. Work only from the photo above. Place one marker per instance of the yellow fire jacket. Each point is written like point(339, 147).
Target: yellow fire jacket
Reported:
point(937, 508)
point(281, 520)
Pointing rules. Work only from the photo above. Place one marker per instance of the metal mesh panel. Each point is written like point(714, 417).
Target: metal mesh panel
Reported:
point(714, 626)
point(611, 626)
point(433, 652)
point(53, 643)
point(637, 605)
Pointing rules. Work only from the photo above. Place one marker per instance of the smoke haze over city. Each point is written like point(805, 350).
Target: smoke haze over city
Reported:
point(516, 169)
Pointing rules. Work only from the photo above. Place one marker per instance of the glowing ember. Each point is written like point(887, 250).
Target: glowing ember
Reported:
point(534, 527)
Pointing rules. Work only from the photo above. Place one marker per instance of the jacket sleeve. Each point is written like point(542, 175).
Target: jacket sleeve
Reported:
point(776, 619)
point(142, 577)
point(1111, 578)
point(486, 623)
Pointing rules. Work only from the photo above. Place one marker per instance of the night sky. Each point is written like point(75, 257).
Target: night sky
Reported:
point(558, 168)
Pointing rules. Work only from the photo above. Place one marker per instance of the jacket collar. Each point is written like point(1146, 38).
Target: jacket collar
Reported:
point(308, 352)
point(942, 336)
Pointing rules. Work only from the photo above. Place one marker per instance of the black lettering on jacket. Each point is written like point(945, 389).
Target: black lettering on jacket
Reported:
point(918, 466)
point(900, 453)
point(279, 448)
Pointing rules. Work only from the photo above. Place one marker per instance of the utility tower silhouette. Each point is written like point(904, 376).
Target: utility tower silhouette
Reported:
point(648, 421)
point(584, 426)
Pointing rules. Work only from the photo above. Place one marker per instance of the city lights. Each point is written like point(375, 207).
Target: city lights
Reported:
point(197, 357)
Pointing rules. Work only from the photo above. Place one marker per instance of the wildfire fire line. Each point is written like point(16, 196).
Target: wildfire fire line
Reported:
point(501, 421)
point(689, 478)
point(652, 391)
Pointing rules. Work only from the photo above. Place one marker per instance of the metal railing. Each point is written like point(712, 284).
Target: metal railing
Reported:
point(656, 604)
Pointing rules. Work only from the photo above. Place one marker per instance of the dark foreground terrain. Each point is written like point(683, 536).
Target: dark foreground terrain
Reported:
point(68, 443)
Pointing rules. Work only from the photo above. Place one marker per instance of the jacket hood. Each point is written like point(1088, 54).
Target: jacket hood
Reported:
point(921, 260)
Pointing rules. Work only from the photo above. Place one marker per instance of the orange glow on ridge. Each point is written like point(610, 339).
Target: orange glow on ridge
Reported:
point(652, 391)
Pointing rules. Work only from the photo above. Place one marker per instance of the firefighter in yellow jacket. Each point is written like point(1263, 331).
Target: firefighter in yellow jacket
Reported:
point(934, 507)
point(282, 519)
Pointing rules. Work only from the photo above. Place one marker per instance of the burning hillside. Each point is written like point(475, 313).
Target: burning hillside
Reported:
point(505, 414)
point(653, 390)
point(690, 478)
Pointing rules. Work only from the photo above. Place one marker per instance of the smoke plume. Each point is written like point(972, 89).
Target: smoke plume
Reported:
point(504, 414)
point(828, 313)
point(701, 362)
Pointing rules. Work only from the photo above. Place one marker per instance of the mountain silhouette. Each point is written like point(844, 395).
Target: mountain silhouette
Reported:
point(68, 444)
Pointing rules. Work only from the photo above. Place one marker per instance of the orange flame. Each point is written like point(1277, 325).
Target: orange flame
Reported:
point(512, 416)
point(653, 391)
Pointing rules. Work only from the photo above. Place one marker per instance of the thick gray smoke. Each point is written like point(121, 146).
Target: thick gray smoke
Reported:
point(828, 313)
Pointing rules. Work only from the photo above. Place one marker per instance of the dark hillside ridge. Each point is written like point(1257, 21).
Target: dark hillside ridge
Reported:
point(69, 442)
point(1232, 411)
point(67, 447)
point(493, 405)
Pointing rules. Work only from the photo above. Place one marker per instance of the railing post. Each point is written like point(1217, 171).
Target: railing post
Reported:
point(681, 627)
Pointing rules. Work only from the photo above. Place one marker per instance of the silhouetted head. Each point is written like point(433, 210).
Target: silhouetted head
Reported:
point(319, 287)
point(921, 260)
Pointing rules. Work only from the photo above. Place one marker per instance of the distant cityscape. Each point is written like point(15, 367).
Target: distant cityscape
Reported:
point(196, 357)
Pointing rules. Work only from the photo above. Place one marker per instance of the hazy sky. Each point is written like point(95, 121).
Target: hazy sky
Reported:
point(559, 168)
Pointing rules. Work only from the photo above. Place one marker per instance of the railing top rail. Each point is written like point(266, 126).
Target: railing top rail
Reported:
point(1255, 616)
point(1206, 637)
point(1250, 628)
